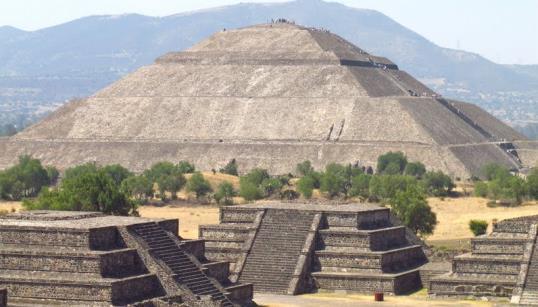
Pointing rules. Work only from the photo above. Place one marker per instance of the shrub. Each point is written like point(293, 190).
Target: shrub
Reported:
point(289, 194)
point(256, 176)
point(360, 185)
point(230, 168)
point(478, 227)
point(411, 207)
point(248, 190)
point(391, 163)
point(225, 193)
point(481, 189)
point(159, 170)
point(415, 169)
point(437, 183)
point(185, 167)
point(198, 185)
point(532, 183)
point(53, 174)
point(304, 168)
point(271, 186)
point(305, 186)
point(336, 179)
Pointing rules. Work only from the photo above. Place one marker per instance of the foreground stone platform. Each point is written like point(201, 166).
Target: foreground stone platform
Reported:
point(77, 259)
point(295, 248)
point(501, 264)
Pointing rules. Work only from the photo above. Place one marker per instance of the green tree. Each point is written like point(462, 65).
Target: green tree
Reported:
point(257, 176)
point(89, 191)
point(199, 185)
point(230, 168)
point(481, 189)
point(495, 171)
point(184, 167)
point(117, 172)
point(411, 207)
point(137, 187)
point(25, 179)
point(53, 174)
point(478, 227)
point(391, 163)
point(386, 186)
point(159, 170)
point(305, 186)
point(415, 169)
point(336, 179)
point(437, 183)
point(78, 170)
point(225, 193)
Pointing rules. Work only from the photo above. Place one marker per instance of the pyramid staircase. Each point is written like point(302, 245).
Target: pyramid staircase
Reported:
point(530, 291)
point(184, 268)
point(281, 236)
point(293, 249)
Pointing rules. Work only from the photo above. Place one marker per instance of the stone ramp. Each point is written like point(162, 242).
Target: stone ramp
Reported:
point(186, 272)
point(530, 290)
point(274, 255)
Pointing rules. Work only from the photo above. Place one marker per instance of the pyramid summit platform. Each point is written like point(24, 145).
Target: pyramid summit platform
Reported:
point(271, 96)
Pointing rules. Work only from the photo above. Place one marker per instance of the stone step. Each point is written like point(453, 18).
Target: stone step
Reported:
point(476, 263)
point(452, 284)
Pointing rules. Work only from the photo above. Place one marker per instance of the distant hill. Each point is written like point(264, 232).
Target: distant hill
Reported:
point(40, 70)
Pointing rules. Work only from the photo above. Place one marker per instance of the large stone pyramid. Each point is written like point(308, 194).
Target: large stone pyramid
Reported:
point(271, 96)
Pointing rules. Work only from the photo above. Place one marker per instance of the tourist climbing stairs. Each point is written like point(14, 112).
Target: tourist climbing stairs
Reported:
point(530, 291)
point(273, 257)
point(188, 273)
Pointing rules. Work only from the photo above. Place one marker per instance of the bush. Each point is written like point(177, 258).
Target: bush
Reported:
point(360, 185)
point(336, 179)
point(53, 174)
point(305, 186)
point(481, 189)
point(411, 207)
point(289, 194)
point(159, 170)
point(478, 227)
point(304, 168)
point(256, 176)
point(198, 185)
point(437, 183)
point(415, 169)
point(230, 168)
point(184, 167)
point(532, 183)
point(117, 172)
point(248, 190)
point(391, 163)
point(271, 186)
point(225, 193)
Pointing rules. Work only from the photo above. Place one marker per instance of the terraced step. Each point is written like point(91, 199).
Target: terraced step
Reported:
point(457, 284)
point(399, 283)
point(79, 286)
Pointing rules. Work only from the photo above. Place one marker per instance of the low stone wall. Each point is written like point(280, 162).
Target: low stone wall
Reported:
point(493, 246)
point(218, 270)
point(486, 266)
point(81, 291)
point(135, 289)
point(362, 220)
point(194, 247)
point(237, 215)
point(484, 287)
point(386, 238)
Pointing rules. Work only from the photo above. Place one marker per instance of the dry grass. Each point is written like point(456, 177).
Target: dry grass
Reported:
point(190, 216)
point(454, 215)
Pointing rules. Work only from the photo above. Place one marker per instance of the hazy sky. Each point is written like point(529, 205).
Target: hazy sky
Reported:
point(505, 31)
